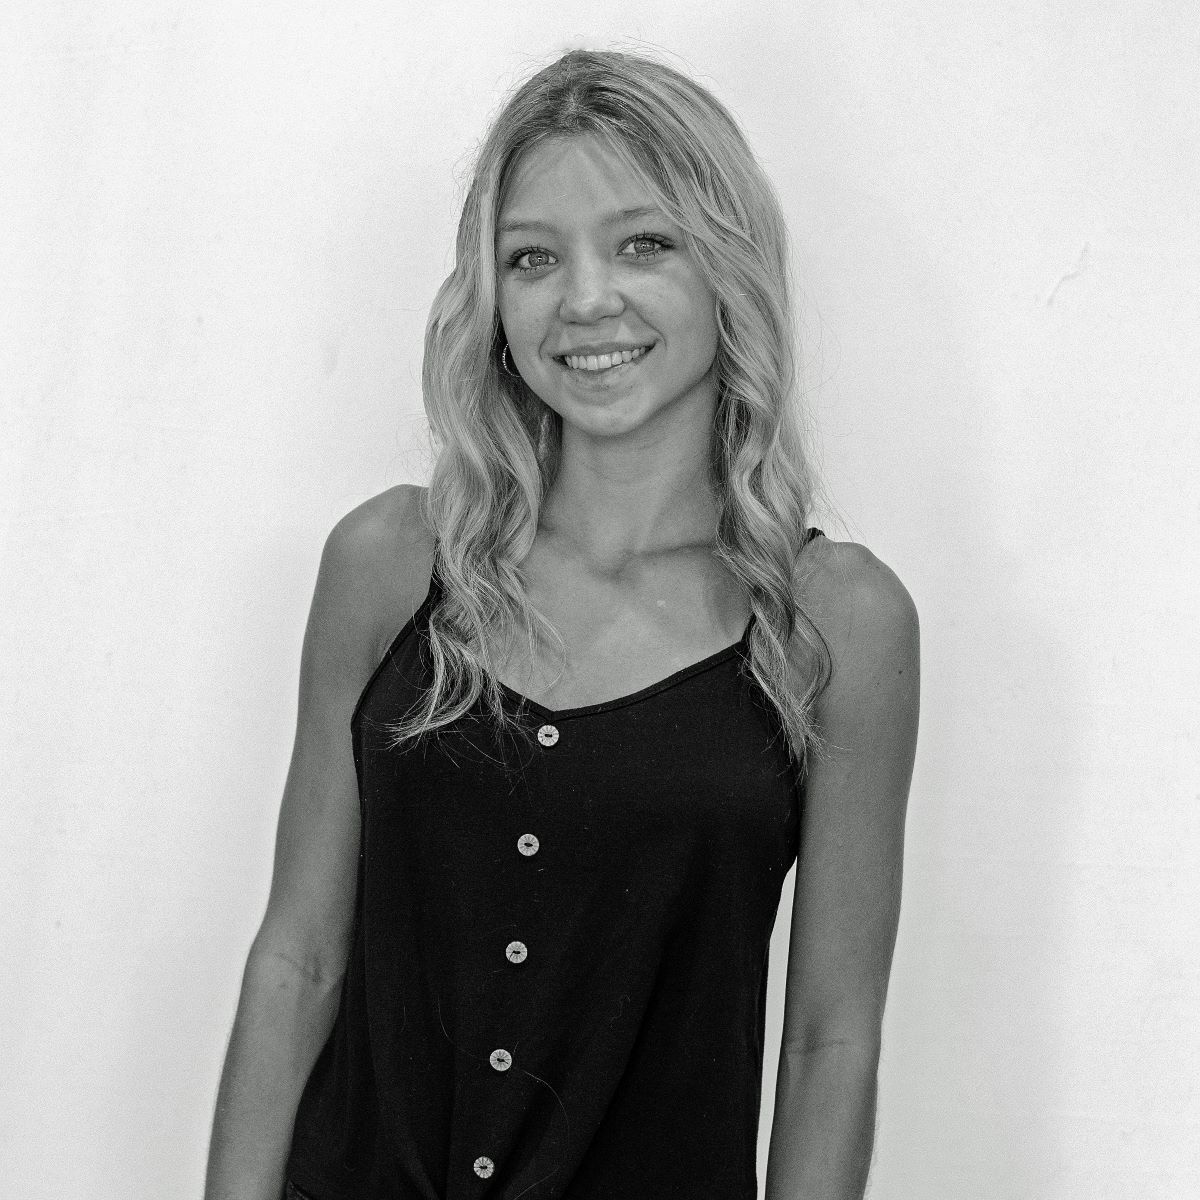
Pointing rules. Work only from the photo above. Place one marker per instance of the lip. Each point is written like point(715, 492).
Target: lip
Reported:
point(598, 348)
point(609, 373)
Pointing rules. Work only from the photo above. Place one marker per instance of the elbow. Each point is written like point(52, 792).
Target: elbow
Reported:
point(859, 1048)
point(851, 1029)
point(320, 967)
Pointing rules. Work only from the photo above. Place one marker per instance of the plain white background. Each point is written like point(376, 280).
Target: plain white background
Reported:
point(221, 227)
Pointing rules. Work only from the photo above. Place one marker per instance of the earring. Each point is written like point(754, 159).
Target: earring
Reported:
point(504, 363)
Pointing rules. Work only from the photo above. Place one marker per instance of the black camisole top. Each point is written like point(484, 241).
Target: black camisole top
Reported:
point(556, 987)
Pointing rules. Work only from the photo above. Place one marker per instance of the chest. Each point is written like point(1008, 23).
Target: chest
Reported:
point(620, 635)
point(689, 781)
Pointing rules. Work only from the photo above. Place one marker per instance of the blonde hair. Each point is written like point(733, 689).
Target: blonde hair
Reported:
point(500, 443)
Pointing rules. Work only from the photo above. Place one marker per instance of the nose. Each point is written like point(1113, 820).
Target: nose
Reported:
point(589, 291)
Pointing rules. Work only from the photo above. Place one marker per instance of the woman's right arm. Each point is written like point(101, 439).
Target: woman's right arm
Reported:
point(365, 591)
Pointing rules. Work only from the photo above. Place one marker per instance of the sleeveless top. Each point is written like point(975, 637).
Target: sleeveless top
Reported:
point(556, 988)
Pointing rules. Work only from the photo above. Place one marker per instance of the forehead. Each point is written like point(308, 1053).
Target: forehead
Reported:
point(578, 176)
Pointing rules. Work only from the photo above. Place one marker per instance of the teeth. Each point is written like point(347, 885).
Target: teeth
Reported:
point(601, 362)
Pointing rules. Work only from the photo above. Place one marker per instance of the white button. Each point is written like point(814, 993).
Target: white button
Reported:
point(527, 844)
point(516, 951)
point(500, 1059)
point(547, 735)
point(484, 1166)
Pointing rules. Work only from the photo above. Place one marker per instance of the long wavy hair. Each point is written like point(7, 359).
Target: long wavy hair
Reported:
point(499, 443)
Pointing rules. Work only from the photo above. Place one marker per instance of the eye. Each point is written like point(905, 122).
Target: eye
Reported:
point(514, 259)
point(652, 239)
point(657, 245)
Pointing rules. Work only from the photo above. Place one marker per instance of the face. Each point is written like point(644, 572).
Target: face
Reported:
point(581, 274)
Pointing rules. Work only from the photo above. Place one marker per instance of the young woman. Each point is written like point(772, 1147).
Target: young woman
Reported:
point(568, 718)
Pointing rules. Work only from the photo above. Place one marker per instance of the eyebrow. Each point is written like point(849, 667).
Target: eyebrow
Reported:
point(613, 218)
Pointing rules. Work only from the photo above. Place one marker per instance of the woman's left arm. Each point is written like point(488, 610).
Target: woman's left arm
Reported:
point(848, 878)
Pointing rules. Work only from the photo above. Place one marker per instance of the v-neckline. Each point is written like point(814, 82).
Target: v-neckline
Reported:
point(551, 715)
point(652, 689)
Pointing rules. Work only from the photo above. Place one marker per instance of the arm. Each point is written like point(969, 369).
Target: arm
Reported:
point(848, 879)
point(292, 981)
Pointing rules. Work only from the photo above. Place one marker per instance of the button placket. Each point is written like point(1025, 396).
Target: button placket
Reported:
point(516, 951)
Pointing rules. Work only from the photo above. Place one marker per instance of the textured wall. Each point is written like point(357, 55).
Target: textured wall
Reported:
point(221, 227)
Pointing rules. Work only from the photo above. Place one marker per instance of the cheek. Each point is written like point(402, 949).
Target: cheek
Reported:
point(508, 301)
point(704, 321)
point(693, 298)
point(522, 319)
point(505, 310)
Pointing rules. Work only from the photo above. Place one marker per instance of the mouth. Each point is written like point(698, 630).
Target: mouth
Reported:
point(604, 366)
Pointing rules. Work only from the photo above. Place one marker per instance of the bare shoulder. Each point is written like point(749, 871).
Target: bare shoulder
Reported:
point(382, 553)
point(862, 609)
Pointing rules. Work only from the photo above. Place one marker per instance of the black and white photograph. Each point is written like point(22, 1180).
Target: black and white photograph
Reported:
point(600, 603)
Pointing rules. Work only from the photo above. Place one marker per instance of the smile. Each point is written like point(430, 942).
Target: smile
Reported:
point(600, 363)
